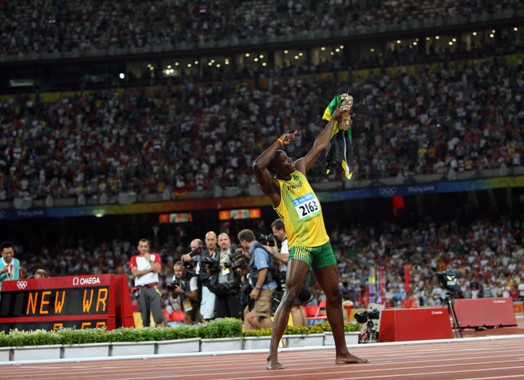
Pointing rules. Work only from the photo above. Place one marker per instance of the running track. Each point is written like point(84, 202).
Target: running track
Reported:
point(500, 357)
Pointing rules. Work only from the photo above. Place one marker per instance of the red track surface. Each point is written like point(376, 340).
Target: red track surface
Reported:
point(474, 358)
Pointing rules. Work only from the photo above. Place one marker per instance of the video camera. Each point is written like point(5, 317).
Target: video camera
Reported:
point(366, 315)
point(268, 240)
point(371, 318)
point(448, 281)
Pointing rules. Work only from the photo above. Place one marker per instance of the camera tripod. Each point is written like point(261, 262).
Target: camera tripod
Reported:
point(449, 301)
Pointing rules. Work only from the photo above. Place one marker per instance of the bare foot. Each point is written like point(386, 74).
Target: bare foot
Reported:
point(273, 364)
point(349, 359)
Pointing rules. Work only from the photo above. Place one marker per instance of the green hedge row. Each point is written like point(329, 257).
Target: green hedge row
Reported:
point(301, 330)
point(219, 328)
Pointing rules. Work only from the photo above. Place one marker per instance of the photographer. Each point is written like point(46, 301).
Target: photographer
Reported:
point(226, 288)
point(185, 285)
point(278, 267)
point(240, 267)
point(305, 295)
point(260, 278)
point(191, 260)
point(209, 258)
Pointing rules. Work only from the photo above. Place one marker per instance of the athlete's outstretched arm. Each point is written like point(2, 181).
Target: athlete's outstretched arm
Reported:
point(321, 142)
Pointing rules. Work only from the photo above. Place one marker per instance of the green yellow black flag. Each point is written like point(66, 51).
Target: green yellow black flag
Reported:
point(339, 151)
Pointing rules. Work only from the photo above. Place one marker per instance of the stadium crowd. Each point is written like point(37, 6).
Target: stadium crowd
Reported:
point(177, 138)
point(60, 26)
point(177, 135)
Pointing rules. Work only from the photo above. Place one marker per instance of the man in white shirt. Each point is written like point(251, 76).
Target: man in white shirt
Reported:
point(145, 267)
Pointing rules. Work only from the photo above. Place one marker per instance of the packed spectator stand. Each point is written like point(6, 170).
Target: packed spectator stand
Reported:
point(66, 26)
point(465, 117)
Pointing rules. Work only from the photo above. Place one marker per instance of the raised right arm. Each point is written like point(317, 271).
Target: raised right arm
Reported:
point(268, 184)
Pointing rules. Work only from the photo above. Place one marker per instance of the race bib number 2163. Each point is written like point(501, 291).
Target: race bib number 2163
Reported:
point(307, 206)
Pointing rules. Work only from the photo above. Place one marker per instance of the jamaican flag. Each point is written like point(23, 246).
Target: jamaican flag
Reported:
point(339, 151)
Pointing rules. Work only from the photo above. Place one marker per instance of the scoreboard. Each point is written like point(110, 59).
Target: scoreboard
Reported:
point(87, 301)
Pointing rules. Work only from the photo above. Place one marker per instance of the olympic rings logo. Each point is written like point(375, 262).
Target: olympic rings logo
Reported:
point(21, 284)
point(387, 191)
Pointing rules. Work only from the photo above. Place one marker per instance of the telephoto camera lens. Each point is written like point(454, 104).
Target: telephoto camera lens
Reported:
point(368, 314)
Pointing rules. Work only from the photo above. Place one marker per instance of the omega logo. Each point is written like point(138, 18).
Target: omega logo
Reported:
point(86, 281)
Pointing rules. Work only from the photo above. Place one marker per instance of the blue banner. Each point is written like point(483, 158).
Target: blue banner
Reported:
point(422, 189)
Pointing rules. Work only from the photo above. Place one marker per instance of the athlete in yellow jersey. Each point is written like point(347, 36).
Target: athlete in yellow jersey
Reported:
point(301, 212)
point(285, 182)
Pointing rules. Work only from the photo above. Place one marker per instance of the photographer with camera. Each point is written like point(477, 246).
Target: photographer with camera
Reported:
point(208, 267)
point(185, 286)
point(297, 313)
point(226, 288)
point(191, 260)
point(261, 279)
point(278, 262)
point(240, 266)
